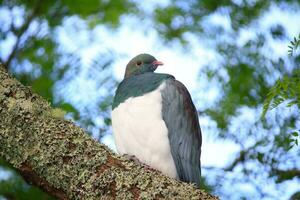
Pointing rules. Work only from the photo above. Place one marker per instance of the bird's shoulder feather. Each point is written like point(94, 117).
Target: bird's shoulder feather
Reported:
point(138, 85)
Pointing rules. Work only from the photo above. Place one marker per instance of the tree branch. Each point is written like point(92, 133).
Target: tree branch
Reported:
point(242, 156)
point(60, 158)
point(284, 175)
point(20, 32)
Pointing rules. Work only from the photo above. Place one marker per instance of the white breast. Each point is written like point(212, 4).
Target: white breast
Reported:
point(139, 130)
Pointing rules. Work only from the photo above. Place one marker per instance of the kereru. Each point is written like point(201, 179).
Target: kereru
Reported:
point(155, 120)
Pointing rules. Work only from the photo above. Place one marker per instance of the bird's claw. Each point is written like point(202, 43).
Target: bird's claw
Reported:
point(137, 161)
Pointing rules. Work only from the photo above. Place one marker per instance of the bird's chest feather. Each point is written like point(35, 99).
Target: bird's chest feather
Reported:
point(139, 130)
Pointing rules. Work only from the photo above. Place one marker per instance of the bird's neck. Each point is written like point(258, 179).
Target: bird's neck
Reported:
point(138, 85)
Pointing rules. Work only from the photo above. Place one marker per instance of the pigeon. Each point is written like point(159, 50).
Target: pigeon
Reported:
point(155, 120)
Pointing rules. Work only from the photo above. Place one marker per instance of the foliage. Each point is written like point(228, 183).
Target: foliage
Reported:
point(294, 45)
point(287, 90)
point(243, 69)
point(14, 186)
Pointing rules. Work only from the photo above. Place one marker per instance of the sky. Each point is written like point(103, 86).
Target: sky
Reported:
point(185, 64)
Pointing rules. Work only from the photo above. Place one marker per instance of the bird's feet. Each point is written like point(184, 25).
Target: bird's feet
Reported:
point(137, 161)
point(132, 158)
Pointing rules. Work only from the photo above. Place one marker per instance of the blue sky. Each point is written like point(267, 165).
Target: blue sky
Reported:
point(185, 63)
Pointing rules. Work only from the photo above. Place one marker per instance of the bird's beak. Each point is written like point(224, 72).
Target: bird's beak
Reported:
point(157, 63)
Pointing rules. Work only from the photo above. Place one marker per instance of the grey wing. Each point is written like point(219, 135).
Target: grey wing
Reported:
point(181, 118)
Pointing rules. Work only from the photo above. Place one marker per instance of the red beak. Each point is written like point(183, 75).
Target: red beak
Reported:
point(157, 63)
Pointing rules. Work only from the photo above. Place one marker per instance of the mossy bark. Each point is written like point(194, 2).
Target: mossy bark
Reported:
point(63, 160)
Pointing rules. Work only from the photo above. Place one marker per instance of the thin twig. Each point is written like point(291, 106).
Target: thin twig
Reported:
point(20, 32)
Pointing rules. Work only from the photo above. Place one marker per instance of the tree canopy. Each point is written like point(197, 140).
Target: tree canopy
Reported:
point(252, 70)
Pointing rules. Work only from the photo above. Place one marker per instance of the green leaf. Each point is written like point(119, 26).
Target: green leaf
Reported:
point(295, 134)
point(68, 107)
point(260, 157)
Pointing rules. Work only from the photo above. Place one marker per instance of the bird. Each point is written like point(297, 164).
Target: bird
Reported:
point(154, 119)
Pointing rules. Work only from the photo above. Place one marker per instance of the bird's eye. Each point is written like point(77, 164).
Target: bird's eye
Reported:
point(139, 63)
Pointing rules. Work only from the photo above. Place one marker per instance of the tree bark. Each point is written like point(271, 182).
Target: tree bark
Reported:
point(64, 161)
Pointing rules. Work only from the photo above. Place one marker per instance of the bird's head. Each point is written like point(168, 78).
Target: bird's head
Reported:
point(140, 64)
